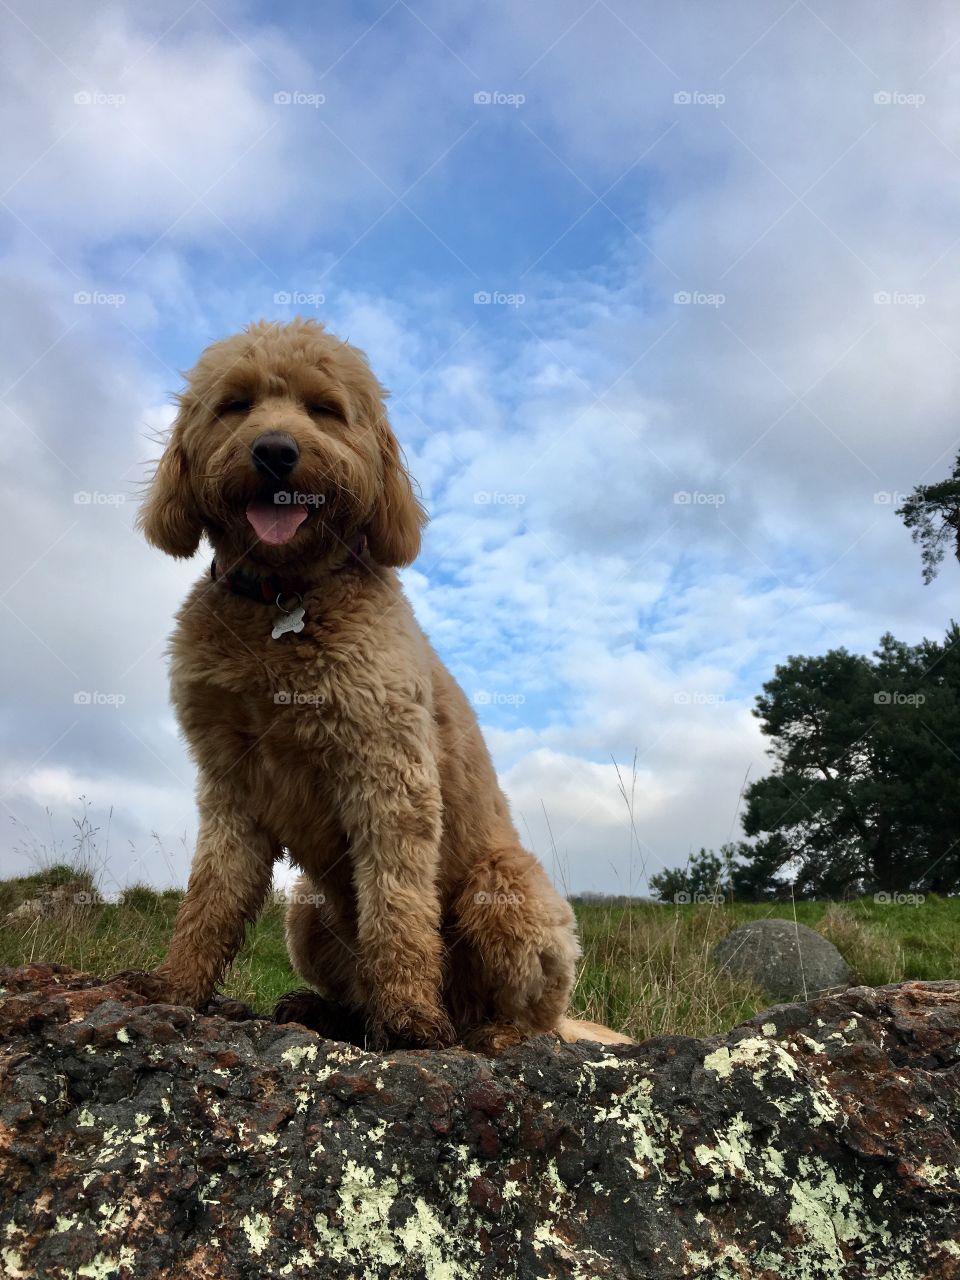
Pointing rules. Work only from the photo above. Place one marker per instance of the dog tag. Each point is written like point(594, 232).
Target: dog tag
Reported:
point(291, 620)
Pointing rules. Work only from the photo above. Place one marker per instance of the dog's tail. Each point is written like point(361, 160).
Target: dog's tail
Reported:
point(573, 1030)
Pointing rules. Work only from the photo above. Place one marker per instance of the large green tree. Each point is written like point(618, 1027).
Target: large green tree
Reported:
point(932, 514)
point(863, 794)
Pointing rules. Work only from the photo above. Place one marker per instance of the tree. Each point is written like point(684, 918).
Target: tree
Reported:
point(712, 877)
point(698, 880)
point(863, 794)
point(932, 514)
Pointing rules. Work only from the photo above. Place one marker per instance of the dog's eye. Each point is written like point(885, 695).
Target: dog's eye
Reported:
point(234, 404)
point(324, 409)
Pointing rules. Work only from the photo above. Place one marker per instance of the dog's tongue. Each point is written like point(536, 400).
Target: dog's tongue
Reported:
point(275, 523)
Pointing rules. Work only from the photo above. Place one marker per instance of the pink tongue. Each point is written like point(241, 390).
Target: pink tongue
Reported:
point(275, 523)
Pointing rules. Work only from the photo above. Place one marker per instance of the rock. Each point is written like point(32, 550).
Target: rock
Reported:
point(815, 1141)
point(54, 902)
point(787, 959)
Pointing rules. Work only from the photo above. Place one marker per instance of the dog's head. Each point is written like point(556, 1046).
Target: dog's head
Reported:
point(282, 453)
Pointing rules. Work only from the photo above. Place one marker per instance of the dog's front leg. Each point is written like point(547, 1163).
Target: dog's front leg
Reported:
point(392, 813)
point(229, 880)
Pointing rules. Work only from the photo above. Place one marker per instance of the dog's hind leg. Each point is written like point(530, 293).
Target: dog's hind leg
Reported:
point(321, 933)
point(512, 969)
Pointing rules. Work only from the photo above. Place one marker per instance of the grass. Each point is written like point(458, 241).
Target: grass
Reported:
point(128, 931)
point(645, 970)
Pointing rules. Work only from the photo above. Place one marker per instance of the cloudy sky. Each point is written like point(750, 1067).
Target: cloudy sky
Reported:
point(667, 299)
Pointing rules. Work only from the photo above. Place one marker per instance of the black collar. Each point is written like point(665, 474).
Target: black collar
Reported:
point(274, 588)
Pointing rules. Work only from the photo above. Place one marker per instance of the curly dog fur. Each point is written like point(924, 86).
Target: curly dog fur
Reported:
point(347, 744)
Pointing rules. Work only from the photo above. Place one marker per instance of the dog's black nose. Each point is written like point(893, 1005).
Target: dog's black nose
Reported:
point(274, 455)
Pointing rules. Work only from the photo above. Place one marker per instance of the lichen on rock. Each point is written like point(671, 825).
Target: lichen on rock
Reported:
point(816, 1142)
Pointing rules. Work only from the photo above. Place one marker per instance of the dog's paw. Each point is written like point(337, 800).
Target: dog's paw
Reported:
point(156, 987)
point(494, 1039)
point(148, 983)
point(330, 1020)
point(409, 1027)
point(231, 1010)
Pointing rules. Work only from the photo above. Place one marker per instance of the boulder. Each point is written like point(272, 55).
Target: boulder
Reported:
point(815, 1141)
point(786, 959)
point(54, 902)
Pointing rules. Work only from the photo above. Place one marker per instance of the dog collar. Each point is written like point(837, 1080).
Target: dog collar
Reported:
point(274, 588)
point(268, 590)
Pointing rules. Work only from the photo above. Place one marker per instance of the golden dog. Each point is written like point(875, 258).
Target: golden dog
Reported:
point(323, 723)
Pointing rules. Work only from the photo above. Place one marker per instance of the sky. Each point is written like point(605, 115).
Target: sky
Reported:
point(666, 298)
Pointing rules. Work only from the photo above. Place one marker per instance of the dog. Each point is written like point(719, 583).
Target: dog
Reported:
point(323, 724)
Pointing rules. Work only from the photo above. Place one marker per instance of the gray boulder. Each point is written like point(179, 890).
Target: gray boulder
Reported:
point(787, 959)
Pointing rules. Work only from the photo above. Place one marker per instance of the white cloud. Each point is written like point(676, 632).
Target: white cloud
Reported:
point(551, 440)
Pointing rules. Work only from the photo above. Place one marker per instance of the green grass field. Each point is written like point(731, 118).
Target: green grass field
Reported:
point(645, 969)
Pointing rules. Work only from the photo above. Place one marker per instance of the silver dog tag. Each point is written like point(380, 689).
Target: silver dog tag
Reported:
point(290, 621)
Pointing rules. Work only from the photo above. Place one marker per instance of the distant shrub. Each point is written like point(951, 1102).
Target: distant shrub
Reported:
point(140, 897)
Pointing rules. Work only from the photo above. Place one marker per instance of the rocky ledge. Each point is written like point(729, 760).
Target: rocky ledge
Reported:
point(816, 1140)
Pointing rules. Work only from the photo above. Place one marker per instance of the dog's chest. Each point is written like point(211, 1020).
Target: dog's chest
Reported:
point(284, 693)
point(286, 702)
point(259, 711)
point(302, 691)
point(251, 649)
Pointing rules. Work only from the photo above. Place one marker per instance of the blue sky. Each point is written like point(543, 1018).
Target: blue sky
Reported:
point(719, 246)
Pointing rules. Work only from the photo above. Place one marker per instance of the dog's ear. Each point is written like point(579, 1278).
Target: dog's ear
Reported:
point(398, 518)
point(169, 517)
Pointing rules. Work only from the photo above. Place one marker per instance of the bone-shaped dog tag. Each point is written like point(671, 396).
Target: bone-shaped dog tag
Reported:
point(290, 621)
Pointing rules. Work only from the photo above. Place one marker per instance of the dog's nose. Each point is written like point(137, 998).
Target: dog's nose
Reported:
point(274, 455)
